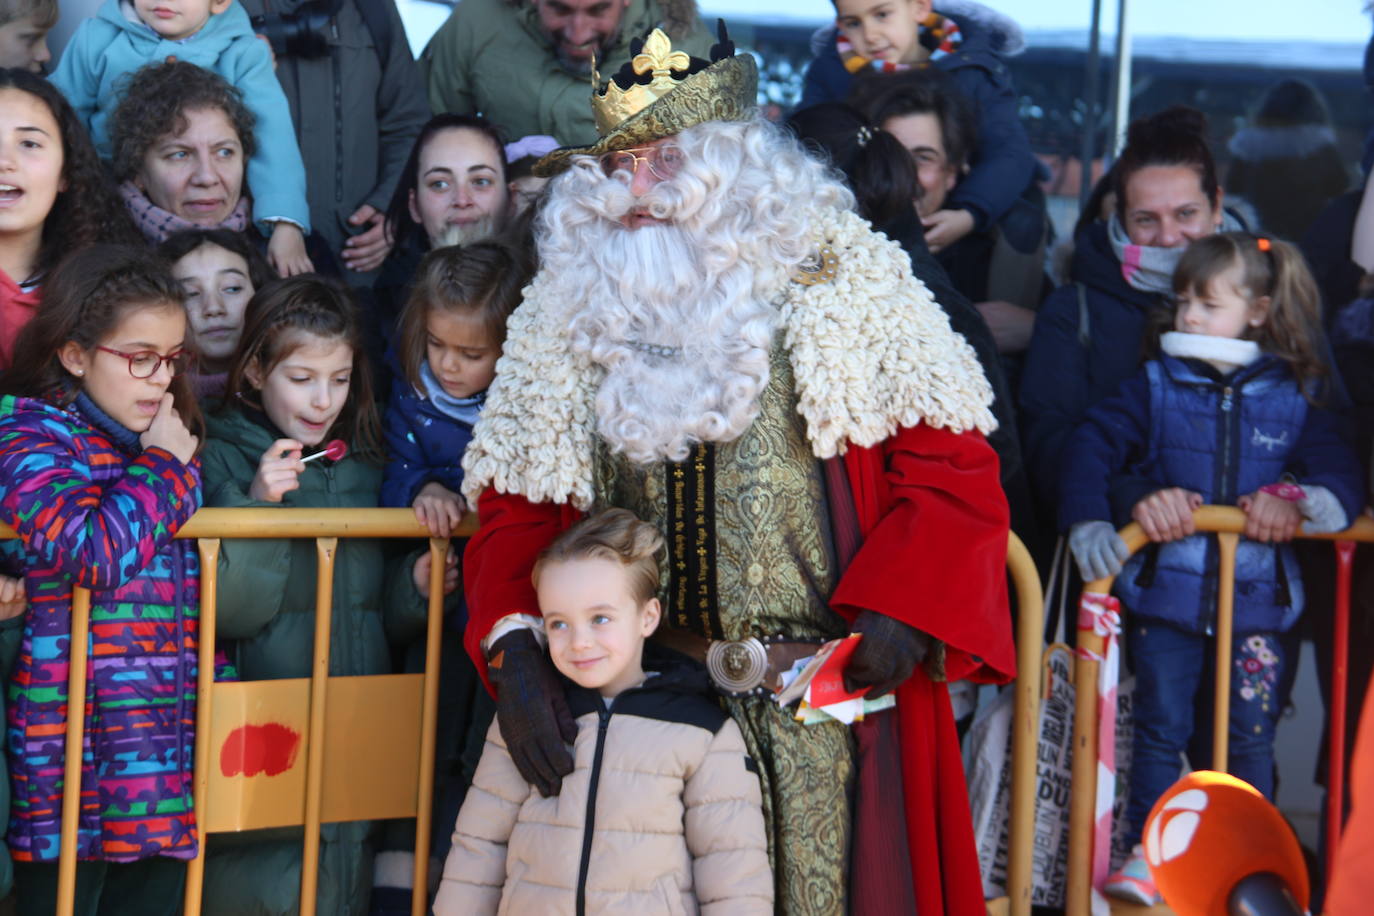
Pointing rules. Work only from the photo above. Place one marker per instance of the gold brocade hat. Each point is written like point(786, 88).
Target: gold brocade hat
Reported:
point(662, 92)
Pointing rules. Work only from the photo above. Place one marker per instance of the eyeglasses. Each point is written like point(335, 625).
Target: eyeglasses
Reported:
point(145, 363)
point(663, 161)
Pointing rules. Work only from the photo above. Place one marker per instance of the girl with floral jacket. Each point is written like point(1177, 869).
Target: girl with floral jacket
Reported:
point(1230, 413)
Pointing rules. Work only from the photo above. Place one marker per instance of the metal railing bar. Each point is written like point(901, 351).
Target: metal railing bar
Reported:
point(419, 897)
point(326, 549)
point(1030, 630)
point(1228, 541)
point(71, 773)
point(1083, 796)
point(205, 677)
point(305, 523)
point(1340, 676)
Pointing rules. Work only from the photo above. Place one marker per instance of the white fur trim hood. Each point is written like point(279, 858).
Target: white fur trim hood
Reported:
point(870, 349)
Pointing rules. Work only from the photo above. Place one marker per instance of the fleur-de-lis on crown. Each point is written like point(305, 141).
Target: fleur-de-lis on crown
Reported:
point(659, 58)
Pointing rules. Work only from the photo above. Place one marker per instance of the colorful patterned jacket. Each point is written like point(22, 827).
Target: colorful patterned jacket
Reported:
point(93, 509)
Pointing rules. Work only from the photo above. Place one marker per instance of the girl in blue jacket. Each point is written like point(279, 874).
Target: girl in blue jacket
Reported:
point(1227, 414)
point(450, 336)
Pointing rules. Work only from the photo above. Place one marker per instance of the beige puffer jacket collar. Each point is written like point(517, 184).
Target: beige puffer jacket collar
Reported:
point(661, 815)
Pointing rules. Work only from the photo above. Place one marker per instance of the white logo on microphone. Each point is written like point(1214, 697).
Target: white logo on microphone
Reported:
point(1170, 834)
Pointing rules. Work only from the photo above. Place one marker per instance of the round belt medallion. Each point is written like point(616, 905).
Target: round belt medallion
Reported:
point(738, 665)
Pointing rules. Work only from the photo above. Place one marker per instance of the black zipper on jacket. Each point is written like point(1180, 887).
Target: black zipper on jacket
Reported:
point(1224, 481)
point(604, 715)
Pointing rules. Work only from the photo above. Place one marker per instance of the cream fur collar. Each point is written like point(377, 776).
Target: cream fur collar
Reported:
point(870, 349)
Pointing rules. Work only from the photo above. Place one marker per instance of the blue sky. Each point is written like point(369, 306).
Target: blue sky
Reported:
point(1325, 20)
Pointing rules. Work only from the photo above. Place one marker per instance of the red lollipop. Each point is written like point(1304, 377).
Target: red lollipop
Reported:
point(334, 450)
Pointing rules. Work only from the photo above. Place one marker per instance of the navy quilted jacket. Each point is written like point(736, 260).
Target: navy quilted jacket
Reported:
point(1180, 423)
point(423, 443)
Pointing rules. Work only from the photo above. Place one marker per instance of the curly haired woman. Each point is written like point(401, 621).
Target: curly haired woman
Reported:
point(182, 138)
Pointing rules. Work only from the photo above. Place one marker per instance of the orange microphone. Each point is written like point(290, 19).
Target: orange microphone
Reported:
point(1216, 847)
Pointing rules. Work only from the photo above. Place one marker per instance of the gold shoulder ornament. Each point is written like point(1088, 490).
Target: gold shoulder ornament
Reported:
point(819, 267)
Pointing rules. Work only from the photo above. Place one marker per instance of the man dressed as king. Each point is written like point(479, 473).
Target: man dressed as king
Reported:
point(718, 343)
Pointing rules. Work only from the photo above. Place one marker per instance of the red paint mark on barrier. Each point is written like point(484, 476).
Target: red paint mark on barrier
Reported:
point(254, 749)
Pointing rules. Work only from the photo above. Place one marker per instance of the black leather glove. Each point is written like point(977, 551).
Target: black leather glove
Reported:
point(886, 656)
point(531, 710)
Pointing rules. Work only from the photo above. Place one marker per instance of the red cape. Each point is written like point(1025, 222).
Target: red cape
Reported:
point(934, 523)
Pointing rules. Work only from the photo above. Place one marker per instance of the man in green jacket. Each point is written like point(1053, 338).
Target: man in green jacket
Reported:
point(526, 64)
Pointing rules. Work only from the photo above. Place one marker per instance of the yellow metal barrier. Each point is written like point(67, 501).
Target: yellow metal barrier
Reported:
point(404, 710)
point(1025, 733)
point(1228, 524)
point(328, 792)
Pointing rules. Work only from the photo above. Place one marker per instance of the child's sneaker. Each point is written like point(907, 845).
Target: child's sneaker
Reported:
point(1133, 881)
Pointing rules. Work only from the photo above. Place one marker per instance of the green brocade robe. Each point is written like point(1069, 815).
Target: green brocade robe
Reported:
point(748, 534)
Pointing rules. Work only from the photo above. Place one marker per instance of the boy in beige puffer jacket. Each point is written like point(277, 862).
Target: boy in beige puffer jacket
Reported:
point(662, 812)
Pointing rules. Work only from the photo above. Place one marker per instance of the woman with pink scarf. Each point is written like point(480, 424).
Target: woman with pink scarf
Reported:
point(182, 137)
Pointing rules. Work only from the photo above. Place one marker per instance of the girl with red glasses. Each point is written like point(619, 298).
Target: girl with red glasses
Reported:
point(98, 472)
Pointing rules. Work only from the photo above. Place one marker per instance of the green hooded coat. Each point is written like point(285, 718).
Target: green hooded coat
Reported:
point(266, 622)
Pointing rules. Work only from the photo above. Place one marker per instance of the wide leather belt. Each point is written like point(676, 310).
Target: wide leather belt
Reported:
point(741, 667)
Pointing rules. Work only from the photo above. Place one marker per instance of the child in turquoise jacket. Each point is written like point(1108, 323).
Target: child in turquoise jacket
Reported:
point(216, 35)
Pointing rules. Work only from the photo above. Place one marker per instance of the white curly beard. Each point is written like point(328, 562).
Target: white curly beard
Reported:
point(685, 347)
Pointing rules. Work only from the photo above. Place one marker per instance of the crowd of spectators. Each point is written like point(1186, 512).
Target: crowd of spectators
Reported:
point(248, 141)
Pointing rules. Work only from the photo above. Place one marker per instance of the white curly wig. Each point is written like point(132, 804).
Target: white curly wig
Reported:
point(679, 314)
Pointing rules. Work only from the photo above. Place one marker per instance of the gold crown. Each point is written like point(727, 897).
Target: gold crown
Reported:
point(658, 58)
point(722, 89)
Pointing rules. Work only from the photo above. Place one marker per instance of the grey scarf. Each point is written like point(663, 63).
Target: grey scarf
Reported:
point(1149, 269)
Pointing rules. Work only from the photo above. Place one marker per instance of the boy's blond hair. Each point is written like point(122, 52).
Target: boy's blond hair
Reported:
point(44, 12)
point(615, 535)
